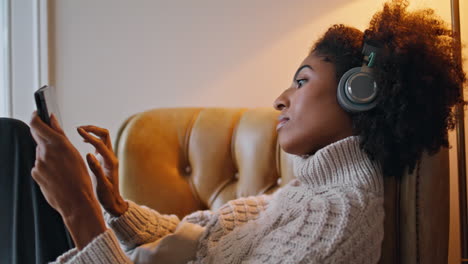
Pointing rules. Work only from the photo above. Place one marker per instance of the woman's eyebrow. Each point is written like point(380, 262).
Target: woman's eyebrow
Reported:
point(300, 68)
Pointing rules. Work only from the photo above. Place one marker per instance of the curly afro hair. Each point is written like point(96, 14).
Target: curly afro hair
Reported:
point(419, 79)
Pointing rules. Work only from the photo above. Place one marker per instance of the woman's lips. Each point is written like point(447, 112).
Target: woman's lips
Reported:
point(282, 122)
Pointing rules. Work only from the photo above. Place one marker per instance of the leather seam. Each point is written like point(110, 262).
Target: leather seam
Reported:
point(218, 190)
point(120, 132)
point(268, 188)
point(233, 158)
point(188, 134)
point(233, 137)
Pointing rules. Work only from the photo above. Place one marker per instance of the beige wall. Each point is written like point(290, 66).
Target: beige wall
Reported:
point(113, 58)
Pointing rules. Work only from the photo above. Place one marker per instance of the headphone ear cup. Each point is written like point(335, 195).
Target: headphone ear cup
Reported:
point(344, 100)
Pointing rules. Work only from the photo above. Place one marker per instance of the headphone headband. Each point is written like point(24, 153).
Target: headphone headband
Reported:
point(370, 53)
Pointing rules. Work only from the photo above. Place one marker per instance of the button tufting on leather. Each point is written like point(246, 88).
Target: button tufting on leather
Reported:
point(278, 181)
point(188, 170)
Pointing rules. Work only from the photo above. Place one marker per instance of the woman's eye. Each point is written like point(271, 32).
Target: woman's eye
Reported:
point(301, 82)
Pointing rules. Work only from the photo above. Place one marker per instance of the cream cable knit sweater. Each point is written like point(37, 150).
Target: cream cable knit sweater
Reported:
point(332, 213)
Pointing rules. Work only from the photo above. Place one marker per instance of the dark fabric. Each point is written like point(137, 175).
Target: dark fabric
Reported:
point(30, 230)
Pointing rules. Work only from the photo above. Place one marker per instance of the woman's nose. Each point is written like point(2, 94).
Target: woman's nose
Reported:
point(281, 102)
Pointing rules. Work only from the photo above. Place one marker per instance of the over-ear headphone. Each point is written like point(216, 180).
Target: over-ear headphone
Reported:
point(357, 89)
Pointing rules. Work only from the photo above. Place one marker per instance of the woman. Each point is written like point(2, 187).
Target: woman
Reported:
point(333, 212)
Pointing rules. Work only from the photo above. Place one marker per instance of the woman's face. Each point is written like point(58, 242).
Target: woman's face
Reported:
point(311, 117)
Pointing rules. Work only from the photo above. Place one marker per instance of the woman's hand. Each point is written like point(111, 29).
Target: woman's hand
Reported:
point(63, 178)
point(106, 170)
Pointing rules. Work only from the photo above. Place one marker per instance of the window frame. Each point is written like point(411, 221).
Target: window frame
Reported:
point(26, 53)
point(5, 59)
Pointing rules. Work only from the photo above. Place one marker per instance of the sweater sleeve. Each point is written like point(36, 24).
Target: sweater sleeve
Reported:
point(102, 249)
point(230, 216)
point(140, 225)
point(137, 226)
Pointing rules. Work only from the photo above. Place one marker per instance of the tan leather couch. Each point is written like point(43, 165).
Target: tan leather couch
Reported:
point(180, 160)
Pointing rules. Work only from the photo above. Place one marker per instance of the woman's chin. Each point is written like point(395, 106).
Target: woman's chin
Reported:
point(293, 149)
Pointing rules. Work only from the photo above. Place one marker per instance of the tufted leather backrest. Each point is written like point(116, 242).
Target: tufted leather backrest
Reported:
point(179, 160)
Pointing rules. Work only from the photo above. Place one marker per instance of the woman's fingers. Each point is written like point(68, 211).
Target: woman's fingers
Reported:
point(102, 133)
point(100, 146)
point(37, 138)
point(96, 168)
point(41, 131)
point(55, 124)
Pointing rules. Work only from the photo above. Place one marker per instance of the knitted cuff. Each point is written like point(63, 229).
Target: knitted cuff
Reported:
point(66, 256)
point(139, 225)
point(102, 249)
